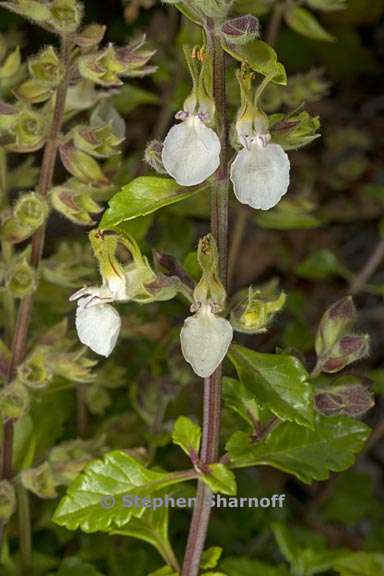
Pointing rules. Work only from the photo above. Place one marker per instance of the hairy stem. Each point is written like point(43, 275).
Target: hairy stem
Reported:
point(25, 308)
point(44, 185)
point(212, 385)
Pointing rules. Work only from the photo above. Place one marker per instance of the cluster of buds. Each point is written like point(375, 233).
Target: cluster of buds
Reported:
point(28, 214)
point(336, 347)
point(260, 171)
point(253, 310)
point(205, 336)
point(191, 149)
point(110, 64)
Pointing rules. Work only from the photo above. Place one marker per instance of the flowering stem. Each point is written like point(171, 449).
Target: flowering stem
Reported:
point(25, 308)
point(212, 385)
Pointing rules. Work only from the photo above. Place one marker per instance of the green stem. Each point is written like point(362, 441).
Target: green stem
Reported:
point(212, 385)
point(25, 538)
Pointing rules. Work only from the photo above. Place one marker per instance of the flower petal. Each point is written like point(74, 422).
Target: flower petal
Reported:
point(260, 176)
point(205, 339)
point(191, 152)
point(98, 327)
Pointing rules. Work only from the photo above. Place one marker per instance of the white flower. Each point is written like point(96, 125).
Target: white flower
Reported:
point(205, 339)
point(260, 175)
point(191, 152)
point(98, 326)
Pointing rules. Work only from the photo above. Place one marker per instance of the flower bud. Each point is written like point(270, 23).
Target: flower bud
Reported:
point(35, 372)
point(40, 481)
point(100, 142)
point(164, 287)
point(254, 310)
point(66, 15)
point(81, 165)
point(213, 8)
point(205, 339)
point(74, 201)
point(28, 131)
point(348, 349)
point(14, 401)
point(348, 395)
point(336, 321)
point(46, 67)
point(7, 500)
point(152, 156)
point(241, 30)
point(11, 66)
point(29, 213)
point(21, 280)
point(296, 131)
point(90, 36)
point(33, 92)
point(73, 366)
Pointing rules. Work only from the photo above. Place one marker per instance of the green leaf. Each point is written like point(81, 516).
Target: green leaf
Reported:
point(307, 454)
point(237, 398)
point(130, 97)
point(187, 434)
point(304, 561)
point(96, 500)
point(289, 215)
point(277, 382)
point(260, 57)
point(320, 265)
point(360, 564)
point(304, 23)
point(220, 479)
point(137, 228)
point(143, 196)
point(152, 527)
point(211, 557)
